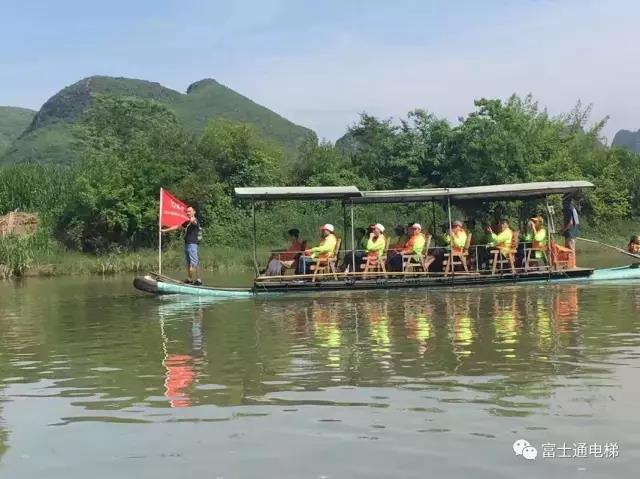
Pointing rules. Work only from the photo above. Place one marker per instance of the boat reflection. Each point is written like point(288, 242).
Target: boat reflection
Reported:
point(180, 369)
point(316, 342)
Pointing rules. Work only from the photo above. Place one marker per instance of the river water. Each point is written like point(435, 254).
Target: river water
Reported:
point(100, 381)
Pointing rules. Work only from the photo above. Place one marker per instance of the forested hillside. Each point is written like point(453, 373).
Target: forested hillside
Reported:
point(130, 147)
point(49, 136)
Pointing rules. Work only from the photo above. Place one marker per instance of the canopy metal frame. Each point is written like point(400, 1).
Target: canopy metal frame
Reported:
point(353, 196)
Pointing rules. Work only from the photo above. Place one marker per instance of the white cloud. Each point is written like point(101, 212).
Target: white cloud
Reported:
point(558, 51)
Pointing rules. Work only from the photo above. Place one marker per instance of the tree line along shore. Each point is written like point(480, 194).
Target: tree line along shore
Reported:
point(99, 214)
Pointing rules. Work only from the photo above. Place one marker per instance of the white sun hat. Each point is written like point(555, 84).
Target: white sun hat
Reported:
point(329, 227)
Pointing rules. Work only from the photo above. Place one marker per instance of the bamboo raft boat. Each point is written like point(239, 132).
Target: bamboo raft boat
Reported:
point(353, 281)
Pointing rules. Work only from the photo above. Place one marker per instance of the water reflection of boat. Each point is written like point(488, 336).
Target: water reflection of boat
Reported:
point(180, 368)
point(456, 330)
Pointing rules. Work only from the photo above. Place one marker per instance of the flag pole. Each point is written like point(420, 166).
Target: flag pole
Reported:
point(160, 236)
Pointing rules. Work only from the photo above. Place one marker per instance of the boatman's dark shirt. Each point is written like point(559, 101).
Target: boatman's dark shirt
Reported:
point(191, 232)
point(571, 216)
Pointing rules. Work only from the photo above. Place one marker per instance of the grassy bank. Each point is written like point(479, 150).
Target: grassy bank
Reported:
point(40, 255)
point(20, 259)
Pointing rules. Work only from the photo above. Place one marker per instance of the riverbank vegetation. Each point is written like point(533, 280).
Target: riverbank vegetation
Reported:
point(100, 214)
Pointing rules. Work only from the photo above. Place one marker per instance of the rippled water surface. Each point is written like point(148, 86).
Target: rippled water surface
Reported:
point(99, 381)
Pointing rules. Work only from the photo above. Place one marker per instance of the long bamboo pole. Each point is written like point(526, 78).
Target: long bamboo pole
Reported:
point(619, 250)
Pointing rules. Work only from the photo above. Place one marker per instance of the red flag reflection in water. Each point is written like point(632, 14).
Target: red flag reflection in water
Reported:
point(180, 375)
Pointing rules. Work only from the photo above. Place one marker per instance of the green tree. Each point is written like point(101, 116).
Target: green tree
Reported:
point(130, 148)
point(237, 156)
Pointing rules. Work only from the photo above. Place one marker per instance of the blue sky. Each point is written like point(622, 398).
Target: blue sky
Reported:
point(321, 63)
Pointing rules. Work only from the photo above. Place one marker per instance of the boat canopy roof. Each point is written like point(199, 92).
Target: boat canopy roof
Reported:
point(490, 192)
point(298, 192)
point(402, 196)
point(519, 190)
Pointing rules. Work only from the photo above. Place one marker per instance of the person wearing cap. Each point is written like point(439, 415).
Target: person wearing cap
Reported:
point(413, 246)
point(503, 239)
point(457, 238)
point(376, 243)
point(326, 247)
point(571, 228)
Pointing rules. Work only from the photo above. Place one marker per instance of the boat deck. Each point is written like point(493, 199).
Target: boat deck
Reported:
point(328, 282)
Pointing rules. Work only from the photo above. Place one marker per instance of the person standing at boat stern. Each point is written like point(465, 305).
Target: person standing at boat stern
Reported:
point(192, 236)
point(571, 228)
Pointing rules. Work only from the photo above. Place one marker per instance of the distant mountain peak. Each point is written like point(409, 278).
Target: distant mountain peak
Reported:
point(629, 139)
point(200, 84)
point(49, 138)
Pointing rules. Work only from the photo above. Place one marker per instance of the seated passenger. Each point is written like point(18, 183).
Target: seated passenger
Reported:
point(456, 239)
point(326, 247)
point(413, 246)
point(502, 240)
point(376, 244)
point(400, 238)
point(361, 238)
point(538, 235)
point(634, 245)
point(280, 260)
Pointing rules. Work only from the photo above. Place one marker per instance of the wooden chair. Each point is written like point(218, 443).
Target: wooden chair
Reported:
point(530, 258)
point(327, 264)
point(377, 265)
point(450, 261)
point(561, 257)
point(411, 262)
point(500, 260)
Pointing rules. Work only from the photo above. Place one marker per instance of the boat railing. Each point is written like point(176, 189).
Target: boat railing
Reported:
point(479, 263)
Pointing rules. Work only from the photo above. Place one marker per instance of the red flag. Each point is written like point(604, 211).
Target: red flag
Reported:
point(173, 212)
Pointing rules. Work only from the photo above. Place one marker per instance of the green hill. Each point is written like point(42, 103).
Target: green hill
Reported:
point(630, 139)
point(13, 122)
point(49, 136)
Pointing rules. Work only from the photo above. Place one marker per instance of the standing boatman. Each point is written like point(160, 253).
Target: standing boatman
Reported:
point(571, 228)
point(192, 236)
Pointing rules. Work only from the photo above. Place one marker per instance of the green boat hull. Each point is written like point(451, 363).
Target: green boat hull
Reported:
point(166, 286)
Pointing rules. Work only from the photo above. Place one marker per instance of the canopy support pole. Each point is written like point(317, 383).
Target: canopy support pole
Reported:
point(160, 236)
point(344, 223)
point(353, 239)
point(453, 270)
point(254, 236)
point(433, 212)
point(551, 229)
